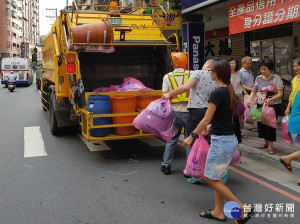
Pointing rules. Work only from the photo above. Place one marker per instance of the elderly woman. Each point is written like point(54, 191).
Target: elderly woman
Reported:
point(292, 110)
point(269, 88)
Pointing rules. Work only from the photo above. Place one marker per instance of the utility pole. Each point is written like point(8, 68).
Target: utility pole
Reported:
point(54, 11)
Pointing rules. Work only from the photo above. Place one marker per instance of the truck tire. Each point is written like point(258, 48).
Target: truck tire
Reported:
point(55, 130)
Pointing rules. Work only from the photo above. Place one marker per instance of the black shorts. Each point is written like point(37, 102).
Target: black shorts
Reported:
point(196, 115)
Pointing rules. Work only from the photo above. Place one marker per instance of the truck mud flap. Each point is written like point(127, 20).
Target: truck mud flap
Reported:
point(62, 112)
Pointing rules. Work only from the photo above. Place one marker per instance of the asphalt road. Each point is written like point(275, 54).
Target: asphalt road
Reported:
point(71, 184)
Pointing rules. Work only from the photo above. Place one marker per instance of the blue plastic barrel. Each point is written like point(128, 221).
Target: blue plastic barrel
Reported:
point(100, 104)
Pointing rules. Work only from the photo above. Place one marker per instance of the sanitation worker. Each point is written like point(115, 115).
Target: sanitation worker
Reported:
point(200, 86)
point(179, 102)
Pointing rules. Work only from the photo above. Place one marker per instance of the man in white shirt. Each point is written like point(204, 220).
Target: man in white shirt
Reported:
point(247, 81)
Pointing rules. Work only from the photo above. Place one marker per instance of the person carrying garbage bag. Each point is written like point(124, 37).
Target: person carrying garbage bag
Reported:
point(200, 86)
point(172, 81)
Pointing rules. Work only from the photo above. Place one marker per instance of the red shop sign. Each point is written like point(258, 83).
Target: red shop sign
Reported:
point(249, 15)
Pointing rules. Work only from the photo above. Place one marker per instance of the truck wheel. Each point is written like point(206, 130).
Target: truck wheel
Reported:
point(55, 130)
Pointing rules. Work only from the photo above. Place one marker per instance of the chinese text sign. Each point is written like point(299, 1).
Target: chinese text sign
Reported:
point(247, 15)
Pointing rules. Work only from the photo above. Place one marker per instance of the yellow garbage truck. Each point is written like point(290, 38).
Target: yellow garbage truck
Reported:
point(96, 46)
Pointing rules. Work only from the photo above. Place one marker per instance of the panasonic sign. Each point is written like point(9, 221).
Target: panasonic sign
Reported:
point(193, 43)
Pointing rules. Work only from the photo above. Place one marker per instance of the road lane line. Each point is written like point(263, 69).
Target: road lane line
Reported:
point(34, 145)
point(287, 194)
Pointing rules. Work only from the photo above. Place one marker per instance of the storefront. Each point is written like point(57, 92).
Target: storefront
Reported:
point(257, 28)
point(272, 29)
point(250, 27)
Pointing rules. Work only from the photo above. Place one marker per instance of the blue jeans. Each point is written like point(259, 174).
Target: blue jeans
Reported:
point(180, 121)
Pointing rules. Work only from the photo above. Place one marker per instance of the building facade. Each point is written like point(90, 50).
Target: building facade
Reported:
point(19, 27)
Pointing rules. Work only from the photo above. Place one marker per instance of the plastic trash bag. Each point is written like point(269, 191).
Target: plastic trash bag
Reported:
point(239, 111)
point(195, 164)
point(270, 117)
point(284, 132)
point(257, 114)
point(226, 176)
point(157, 118)
point(236, 158)
point(247, 115)
point(129, 84)
point(246, 98)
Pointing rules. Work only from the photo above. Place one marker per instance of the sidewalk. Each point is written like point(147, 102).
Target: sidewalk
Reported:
point(249, 147)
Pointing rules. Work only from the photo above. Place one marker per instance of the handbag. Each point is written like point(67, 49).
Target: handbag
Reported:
point(257, 114)
point(239, 111)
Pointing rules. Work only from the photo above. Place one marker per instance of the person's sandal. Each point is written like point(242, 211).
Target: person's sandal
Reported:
point(288, 166)
point(247, 218)
point(253, 129)
point(271, 151)
point(263, 146)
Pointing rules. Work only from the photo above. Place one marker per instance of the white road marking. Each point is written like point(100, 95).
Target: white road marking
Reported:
point(34, 145)
point(95, 146)
point(153, 142)
point(124, 174)
point(29, 166)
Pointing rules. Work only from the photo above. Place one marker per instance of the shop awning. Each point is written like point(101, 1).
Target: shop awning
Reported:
point(188, 6)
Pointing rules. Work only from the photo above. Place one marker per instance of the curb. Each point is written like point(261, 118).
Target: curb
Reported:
point(265, 157)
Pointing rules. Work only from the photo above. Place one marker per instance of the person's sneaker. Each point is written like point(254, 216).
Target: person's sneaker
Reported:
point(166, 169)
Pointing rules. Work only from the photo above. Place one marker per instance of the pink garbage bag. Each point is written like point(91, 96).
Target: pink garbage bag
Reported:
point(132, 84)
point(253, 102)
point(157, 118)
point(236, 158)
point(129, 84)
point(247, 115)
point(106, 89)
point(270, 117)
point(195, 164)
point(247, 109)
point(284, 132)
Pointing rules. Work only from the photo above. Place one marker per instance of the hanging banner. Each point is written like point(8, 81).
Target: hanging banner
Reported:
point(193, 43)
point(247, 15)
